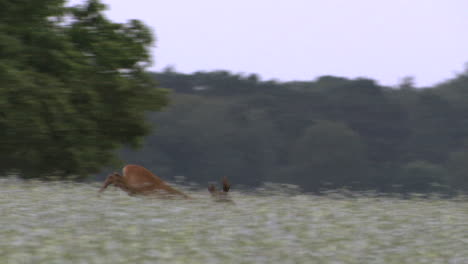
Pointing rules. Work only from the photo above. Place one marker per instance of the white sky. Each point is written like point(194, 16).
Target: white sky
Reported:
point(303, 39)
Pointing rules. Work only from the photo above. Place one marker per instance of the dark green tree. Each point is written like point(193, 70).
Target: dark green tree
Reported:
point(421, 176)
point(329, 155)
point(73, 87)
point(457, 165)
point(435, 129)
point(364, 107)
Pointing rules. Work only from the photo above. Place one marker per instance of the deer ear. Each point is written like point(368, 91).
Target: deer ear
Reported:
point(226, 185)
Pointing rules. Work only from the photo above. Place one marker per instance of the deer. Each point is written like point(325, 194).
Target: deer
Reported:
point(218, 195)
point(137, 180)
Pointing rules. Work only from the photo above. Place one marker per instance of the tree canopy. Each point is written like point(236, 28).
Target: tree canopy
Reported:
point(73, 87)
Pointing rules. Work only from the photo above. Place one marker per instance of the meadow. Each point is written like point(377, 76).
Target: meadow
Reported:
point(67, 222)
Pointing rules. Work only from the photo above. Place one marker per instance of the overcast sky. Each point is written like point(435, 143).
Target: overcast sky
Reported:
point(303, 39)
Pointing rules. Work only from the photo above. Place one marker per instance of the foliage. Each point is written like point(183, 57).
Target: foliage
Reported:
point(458, 168)
point(329, 133)
point(329, 155)
point(422, 176)
point(72, 87)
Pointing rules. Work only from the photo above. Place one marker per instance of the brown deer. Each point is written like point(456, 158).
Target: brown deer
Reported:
point(139, 180)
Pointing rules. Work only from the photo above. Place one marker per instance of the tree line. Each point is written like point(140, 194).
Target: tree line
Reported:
point(328, 133)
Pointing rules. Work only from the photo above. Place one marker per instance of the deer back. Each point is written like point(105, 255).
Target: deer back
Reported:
point(136, 175)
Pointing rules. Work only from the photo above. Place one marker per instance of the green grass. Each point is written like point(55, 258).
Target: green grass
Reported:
point(68, 223)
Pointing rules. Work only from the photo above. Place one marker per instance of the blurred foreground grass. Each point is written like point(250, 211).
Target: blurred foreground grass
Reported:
point(68, 223)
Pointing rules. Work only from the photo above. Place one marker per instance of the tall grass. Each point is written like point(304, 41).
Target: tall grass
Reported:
point(65, 222)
